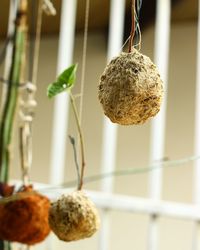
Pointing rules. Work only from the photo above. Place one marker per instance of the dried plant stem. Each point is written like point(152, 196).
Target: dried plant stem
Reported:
point(12, 93)
point(132, 34)
point(24, 164)
point(80, 185)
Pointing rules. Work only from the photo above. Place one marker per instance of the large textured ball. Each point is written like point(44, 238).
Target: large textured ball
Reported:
point(25, 220)
point(130, 89)
point(73, 217)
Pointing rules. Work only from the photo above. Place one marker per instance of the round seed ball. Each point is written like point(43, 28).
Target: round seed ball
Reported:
point(130, 89)
point(73, 217)
point(25, 220)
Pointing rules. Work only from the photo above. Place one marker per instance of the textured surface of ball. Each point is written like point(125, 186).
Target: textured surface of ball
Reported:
point(73, 217)
point(130, 89)
point(25, 220)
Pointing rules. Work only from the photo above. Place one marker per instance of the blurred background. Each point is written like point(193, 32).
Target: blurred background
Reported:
point(127, 230)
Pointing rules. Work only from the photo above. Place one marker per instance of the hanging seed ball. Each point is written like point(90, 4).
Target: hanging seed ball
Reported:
point(25, 220)
point(73, 217)
point(130, 89)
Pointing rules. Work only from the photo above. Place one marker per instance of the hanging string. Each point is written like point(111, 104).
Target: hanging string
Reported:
point(135, 33)
point(132, 34)
point(138, 8)
point(37, 42)
point(118, 173)
point(138, 36)
point(84, 55)
point(137, 45)
point(33, 6)
point(28, 105)
point(125, 43)
point(129, 171)
point(137, 24)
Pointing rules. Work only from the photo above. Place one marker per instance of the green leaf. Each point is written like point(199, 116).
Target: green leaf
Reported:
point(64, 82)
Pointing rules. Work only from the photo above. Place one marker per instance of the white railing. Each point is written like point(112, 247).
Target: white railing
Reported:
point(196, 238)
point(157, 144)
point(60, 119)
point(109, 143)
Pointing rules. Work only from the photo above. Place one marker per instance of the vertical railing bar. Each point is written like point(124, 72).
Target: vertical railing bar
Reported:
point(162, 36)
point(60, 119)
point(115, 41)
point(196, 233)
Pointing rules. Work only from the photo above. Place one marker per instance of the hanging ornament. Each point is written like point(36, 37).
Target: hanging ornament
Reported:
point(130, 88)
point(28, 213)
point(73, 217)
point(25, 220)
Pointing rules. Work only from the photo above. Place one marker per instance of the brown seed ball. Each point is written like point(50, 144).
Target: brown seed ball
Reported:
point(73, 217)
point(25, 220)
point(130, 89)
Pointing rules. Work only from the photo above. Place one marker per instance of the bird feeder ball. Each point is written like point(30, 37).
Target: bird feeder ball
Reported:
point(130, 89)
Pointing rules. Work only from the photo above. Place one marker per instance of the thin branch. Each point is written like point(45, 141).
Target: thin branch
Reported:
point(81, 140)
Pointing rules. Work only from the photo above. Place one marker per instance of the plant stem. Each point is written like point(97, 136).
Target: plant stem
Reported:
point(80, 185)
point(12, 93)
point(8, 113)
point(132, 34)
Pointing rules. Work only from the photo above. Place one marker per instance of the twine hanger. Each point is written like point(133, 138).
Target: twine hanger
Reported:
point(27, 100)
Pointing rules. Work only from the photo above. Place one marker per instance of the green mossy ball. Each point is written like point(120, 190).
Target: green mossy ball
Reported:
point(130, 89)
point(73, 217)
